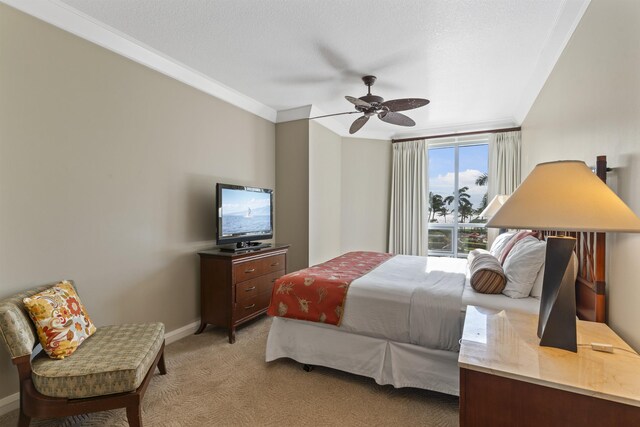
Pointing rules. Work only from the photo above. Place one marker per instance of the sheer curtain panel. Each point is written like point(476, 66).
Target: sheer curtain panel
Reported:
point(504, 168)
point(408, 214)
point(504, 163)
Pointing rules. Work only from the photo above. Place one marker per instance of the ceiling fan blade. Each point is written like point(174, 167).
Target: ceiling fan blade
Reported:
point(405, 104)
point(357, 124)
point(356, 101)
point(396, 118)
point(335, 114)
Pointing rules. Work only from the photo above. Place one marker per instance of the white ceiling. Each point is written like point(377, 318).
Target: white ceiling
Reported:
point(481, 63)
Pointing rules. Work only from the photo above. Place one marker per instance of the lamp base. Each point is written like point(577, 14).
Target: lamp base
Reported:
point(557, 320)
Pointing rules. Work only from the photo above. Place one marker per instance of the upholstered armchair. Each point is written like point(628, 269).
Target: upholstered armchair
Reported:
point(111, 369)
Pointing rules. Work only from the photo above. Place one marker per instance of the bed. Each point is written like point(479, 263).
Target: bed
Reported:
point(394, 332)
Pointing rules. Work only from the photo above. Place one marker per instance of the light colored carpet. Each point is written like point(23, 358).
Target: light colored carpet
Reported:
point(211, 382)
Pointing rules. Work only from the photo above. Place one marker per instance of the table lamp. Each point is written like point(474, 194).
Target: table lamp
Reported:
point(494, 205)
point(563, 196)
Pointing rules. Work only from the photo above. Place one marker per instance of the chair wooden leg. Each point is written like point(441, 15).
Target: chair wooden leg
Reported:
point(201, 328)
point(23, 420)
point(134, 416)
point(161, 365)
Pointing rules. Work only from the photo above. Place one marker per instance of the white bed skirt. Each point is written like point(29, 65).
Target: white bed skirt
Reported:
point(387, 362)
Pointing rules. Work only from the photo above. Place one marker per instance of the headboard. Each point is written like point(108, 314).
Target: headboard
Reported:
point(590, 249)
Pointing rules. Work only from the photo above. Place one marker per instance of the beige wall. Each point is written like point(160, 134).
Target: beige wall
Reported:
point(107, 176)
point(324, 193)
point(333, 192)
point(292, 194)
point(590, 105)
point(366, 181)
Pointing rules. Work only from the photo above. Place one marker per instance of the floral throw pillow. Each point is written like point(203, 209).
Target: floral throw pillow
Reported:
point(60, 318)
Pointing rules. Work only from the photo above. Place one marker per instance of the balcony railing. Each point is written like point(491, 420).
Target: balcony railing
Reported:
point(468, 236)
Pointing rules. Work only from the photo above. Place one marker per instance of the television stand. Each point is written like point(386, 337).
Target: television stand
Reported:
point(245, 247)
point(236, 287)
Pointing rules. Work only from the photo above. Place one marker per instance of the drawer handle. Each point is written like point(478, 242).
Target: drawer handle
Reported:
point(251, 306)
point(273, 280)
point(250, 289)
point(275, 264)
point(251, 270)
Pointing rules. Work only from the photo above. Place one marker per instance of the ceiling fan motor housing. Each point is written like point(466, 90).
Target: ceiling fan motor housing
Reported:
point(374, 101)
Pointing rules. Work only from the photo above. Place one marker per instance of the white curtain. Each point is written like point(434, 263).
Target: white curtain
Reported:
point(504, 168)
point(408, 214)
point(504, 163)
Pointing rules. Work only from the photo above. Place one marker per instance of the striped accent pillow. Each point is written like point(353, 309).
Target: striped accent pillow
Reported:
point(487, 276)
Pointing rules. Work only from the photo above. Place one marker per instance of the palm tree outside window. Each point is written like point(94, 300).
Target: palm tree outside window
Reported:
point(458, 182)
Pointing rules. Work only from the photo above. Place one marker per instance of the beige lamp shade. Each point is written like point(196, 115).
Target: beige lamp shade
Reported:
point(494, 205)
point(565, 196)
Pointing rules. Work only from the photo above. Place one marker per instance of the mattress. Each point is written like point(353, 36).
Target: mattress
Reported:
point(409, 299)
point(529, 305)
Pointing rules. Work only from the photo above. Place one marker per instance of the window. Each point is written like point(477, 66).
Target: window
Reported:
point(458, 175)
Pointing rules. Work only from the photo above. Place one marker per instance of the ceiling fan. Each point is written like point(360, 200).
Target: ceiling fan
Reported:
point(387, 111)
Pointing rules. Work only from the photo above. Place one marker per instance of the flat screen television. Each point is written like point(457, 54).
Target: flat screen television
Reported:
point(245, 214)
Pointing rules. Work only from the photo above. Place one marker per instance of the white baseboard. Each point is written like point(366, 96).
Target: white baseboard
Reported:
point(11, 402)
point(182, 332)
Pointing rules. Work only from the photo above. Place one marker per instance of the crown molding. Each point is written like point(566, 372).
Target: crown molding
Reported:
point(329, 122)
point(369, 134)
point(292, 114)
point(75, 22)
point(307, 111)
point(566, 23)
point(441, 129)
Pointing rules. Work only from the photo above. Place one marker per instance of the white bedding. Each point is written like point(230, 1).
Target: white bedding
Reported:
point(499, 302)
point(388, 325)
point(409, 299)
point(387, 362)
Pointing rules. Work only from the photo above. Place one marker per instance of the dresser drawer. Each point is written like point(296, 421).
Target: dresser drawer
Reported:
point(250, 288)
point(248, 270)
point(250, 306)
point(252, 269)
point(274, 263)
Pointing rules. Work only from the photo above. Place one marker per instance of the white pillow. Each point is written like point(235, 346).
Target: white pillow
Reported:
point(522, 266)
point(499, 243)
point(536, 291)
point(474, 253)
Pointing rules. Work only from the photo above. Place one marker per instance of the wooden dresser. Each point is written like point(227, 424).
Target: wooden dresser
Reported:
point(236, 287)
point(508, 379)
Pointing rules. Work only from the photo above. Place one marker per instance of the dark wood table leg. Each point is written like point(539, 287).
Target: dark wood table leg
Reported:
point(201, 328)
point(232, 335)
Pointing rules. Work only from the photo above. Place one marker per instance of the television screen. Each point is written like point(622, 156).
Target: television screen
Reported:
point(244, 213)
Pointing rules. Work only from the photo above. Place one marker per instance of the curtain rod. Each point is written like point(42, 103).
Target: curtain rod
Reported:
point(477, 132)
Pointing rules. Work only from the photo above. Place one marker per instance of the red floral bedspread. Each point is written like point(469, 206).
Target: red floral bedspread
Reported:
point(318, 293)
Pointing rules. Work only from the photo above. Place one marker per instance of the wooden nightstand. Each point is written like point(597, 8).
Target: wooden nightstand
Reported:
point(236, 287)
point(507, 379)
